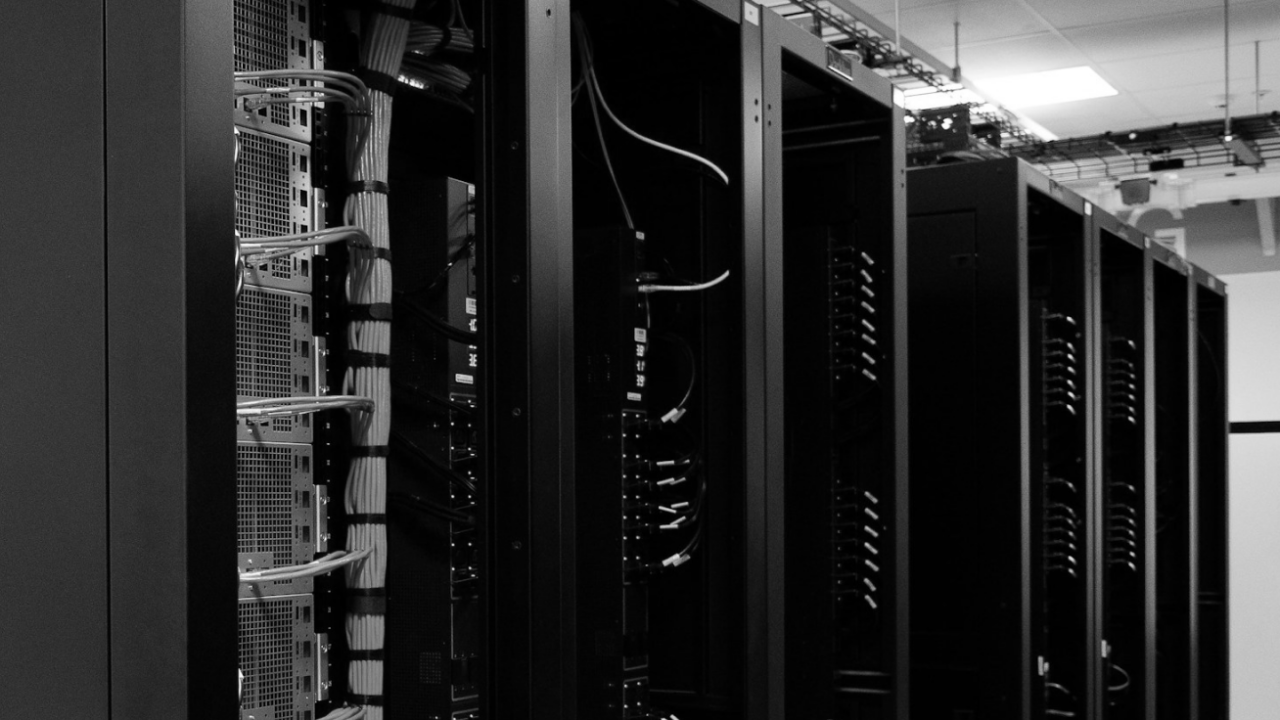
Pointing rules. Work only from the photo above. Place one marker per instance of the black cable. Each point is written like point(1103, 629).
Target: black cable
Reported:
point(585, 63)
point(432, 462)
point(453, 260)
point(432, 508)
point(437, 324)
point(431, 397)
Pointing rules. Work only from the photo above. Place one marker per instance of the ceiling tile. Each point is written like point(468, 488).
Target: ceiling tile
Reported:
point(1169, 34)
point(1017, 57)
point(1201, 99)
point(1157, 72)
point(1079, 13)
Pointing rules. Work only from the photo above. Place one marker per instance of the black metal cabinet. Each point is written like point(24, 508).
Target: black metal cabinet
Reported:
point(1068, 521)
point(837, 382)
point(1002, 395)
point(670, 475)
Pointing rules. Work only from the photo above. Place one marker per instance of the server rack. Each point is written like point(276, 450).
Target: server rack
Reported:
point(1175, 569)
point(1212, 657)
point(835, 206)
point(670, 430)
point(1003, 394)
point(147, 341)
point(1125, 463)
point(1133, 466)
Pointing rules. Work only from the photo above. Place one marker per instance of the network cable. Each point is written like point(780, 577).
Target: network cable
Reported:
point(381, 56)
point(319, 566)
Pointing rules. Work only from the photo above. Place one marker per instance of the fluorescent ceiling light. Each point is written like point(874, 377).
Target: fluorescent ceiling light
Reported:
point(1048, 88)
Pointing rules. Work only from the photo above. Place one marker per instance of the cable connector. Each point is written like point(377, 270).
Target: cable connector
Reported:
point(676, 560)
point(673, 416)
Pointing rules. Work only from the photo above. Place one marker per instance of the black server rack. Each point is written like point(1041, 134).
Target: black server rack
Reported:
point(154, 351)
point(1125, 501)
point(835, 215)
point(1211, 672)
point(669, 442)
point(1175, 626)
point(1068, 375)
point(1003, 395)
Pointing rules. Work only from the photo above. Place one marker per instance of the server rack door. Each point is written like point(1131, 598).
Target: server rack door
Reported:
point(170, 358)
point(53, 424)
point(1124, 501)
point(971, 502)
point(1212, 656)
point(1173, 459)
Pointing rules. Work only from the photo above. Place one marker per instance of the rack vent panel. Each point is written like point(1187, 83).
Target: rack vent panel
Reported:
point(274, 358)
point(277, 641)
point(273, 35)
point(275, 196)
point(275, 510)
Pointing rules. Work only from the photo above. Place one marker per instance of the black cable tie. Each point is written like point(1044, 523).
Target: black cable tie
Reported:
point(379, 655)
point(381, 253)
point(354, 699)
point(369, 451)
point(358, 359)
point(395, 11)
point(378, 81)
point(368, 186)
point(367, 519)
point(367, 605)
point(447, 41)
point(369, 313)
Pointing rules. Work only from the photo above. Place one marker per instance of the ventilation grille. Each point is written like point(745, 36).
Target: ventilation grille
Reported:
point(262, 34)
point(272, 497)
point(264, 202)
point(263, 42)
point(273, 352)
point(274, 644)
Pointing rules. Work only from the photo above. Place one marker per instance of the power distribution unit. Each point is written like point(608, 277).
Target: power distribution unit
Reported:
point(835, 208)
point(1055, 382)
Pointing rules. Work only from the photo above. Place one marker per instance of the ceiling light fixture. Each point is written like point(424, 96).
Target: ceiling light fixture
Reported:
point(1048, 88)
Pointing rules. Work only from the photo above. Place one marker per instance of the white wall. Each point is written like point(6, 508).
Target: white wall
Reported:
point(1254, 371)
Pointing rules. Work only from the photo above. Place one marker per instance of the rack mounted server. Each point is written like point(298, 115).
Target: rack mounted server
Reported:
point(1068, 521)
point(281, 348)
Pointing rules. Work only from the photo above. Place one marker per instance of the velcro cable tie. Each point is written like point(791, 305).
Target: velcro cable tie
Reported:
point(354, 699)
point(378, 655)
point(369, 451)
point(378, 81)
point(367, 601)
point(358, 359)
point(367, 519)
point(369, 313)
point(368, 186)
